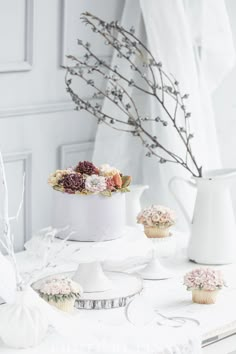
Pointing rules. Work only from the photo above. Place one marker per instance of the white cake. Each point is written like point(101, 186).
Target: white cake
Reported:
point(89, 217)
point(89, 202)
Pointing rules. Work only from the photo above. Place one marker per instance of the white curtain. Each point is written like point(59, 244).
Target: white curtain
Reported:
point(192, 38)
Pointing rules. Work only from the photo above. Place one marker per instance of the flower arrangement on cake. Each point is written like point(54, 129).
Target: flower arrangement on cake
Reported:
point(86, 178)
point(157, 220)
point(61, 293)
point(205, 284)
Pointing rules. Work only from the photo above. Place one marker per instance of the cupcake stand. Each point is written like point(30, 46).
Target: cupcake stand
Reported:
point(161, 247)
point(102, 289)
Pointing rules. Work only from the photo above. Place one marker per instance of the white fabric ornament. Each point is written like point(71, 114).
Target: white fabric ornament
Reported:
point(23, 324)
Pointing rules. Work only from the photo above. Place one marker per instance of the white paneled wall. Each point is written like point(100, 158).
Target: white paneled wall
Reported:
point(38, 128)
point(16, 28)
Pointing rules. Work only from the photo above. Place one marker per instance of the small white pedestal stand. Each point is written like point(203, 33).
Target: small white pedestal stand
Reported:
point(154, 270)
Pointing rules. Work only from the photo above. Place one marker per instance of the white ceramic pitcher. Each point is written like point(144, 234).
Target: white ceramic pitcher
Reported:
point(213, 229)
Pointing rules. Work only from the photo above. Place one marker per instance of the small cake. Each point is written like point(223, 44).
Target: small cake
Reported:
point(61, 293)
point(205, 284)
point(156, 220)
point(89, 202)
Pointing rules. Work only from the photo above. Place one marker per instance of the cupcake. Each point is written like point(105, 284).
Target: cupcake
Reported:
point(205, 284)
point(156, 220)
point(61, 293)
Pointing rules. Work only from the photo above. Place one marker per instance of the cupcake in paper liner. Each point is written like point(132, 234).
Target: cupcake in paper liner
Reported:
point(60, 293)
point(205, 284)
point(157, 220)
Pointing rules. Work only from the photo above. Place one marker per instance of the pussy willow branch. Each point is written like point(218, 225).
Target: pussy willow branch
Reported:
point(101, 116)
point(103, 74)
point(115, 43)
point(123, 32)
point(176, 159)
point(139, 128)
point(125, 40)
point(73, 72)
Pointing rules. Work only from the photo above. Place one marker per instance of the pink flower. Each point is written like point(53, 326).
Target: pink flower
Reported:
point(156, 215)
point(110, 184)
point(60, 286)
point(204, 279)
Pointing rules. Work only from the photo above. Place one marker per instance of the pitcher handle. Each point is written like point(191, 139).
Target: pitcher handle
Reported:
point(179, 202)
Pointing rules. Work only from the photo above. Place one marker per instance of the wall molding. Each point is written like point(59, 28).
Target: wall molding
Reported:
point(66, 149)
point(26, 64)
point(63, 53)
point(36, 109)
point(51, 107)
point(26, 158)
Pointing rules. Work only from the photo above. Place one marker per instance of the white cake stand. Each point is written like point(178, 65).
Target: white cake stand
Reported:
point(154, 270)
point(125, 287)
point(90, 255)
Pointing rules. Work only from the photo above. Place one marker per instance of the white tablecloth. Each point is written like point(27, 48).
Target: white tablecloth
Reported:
point(108, 331)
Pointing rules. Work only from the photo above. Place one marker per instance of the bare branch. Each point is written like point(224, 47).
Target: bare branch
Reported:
point(129, 47)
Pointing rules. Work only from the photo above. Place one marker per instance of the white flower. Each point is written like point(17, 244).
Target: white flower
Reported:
point(95, 183)
point(107, 170)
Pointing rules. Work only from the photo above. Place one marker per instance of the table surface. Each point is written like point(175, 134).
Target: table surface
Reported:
point(170, 297)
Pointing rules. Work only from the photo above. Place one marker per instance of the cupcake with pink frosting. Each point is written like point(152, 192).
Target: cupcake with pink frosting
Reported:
point(157, 220)
point(205, 284)
point(60, 293)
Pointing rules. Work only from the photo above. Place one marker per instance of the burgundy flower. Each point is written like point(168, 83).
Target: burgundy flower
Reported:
point(87, 168)
point(72, 183)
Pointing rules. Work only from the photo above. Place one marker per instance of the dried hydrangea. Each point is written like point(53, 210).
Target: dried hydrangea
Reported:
point(73, 182)
point(55, 177)
point(95, 184)
point(157, 215)
point(86, 167)
point(204, 279)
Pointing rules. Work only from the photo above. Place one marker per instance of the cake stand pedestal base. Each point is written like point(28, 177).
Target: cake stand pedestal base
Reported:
point(92, 277)
point(155, 271)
